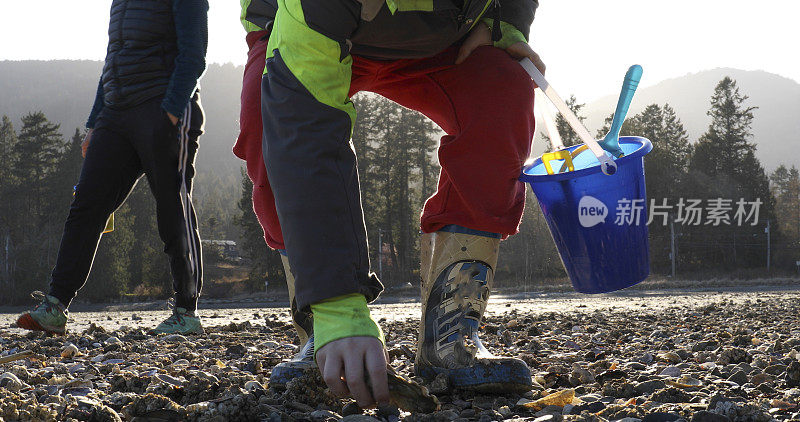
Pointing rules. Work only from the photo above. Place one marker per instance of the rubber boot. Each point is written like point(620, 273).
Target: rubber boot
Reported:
point(457, 270)
point(303, 361)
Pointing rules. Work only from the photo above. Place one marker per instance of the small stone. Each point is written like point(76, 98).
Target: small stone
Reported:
point(112, 340)
point(660, 417)
point(793, 374)
point(505, 411)
point(440, 384)
point(610, 374)
point(10, 381)
point(70, 350)
point(761, 378)
point(649, 387)
point(732, 355)
point(444, 415)
point(169, 380)
point(738, 377)
point(706, 416)
point(775, 369)
point(468, 413)
point(671, 395)
point(592, 407)
point(351, 408)
point(671, 371)
point(670, 357)
point(550, 417)
point(323, 415)
point(175, 338)
point(253, 385)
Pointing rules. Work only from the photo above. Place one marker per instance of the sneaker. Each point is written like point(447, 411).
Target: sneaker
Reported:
point(180, 322)
point(49, 315)
point(299, 365)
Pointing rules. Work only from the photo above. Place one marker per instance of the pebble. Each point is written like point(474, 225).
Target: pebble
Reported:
point(671, 371)
point(70, 350)
point(656, 364)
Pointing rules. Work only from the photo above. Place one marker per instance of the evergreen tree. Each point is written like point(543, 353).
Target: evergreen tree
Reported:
point(8, 140)
point(34, 212)
point(38, 148)
point(265, 264)
point(568, 135)
point(723, 165)
point(785, 187)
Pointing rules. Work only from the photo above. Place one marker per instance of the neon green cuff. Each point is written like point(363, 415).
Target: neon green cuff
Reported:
point(511, 35)
point(342, 317)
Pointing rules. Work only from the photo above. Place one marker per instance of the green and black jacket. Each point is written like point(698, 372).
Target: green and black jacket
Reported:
point(308, 116)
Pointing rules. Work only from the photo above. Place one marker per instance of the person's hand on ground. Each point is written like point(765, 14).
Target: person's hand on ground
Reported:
point(343, 364)
point(478, 36)
point(520, 50)
point(85, 143)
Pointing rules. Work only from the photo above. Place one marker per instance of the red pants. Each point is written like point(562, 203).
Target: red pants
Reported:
point(484, 105)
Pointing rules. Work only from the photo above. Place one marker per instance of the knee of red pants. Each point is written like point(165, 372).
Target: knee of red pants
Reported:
point(267, 215)
point(482, 160)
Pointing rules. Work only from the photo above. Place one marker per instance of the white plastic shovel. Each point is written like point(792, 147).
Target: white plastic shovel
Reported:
point(607, 164)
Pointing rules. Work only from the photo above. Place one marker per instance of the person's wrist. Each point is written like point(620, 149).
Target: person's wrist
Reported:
point(343, 317)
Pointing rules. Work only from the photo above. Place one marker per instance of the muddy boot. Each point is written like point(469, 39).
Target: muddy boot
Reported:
point(457, 271)
point(303, 322)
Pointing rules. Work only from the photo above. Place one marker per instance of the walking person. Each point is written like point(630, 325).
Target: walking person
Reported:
point(146, 120)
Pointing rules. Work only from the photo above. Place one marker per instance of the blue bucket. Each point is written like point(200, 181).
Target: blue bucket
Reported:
point(598, 222)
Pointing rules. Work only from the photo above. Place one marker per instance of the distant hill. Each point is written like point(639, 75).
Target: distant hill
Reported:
point(64, 90)
point(776, 123)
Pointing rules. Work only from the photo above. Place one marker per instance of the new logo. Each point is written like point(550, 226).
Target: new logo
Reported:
point(591, 211)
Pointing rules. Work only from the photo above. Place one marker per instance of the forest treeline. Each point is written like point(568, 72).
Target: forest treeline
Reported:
point(398, 170)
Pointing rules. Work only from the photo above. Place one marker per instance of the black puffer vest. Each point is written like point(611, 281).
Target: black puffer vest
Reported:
point(141, 52)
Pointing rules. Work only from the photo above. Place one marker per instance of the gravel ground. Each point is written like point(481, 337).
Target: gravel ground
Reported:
point(650, 356)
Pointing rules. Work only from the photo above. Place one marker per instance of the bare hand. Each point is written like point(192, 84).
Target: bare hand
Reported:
point(478, 36)
point(85, 143)
point(172, 119)
point(342, 363)
point(520, 50)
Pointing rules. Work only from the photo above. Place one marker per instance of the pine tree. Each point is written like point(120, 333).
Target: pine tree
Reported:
point(785, 187)
point(8, 140)
point(265, 264)
point(723, 165)
point(568, 135)
point(33, 207)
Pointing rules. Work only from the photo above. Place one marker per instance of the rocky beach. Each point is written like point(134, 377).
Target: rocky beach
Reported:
point(649, 356)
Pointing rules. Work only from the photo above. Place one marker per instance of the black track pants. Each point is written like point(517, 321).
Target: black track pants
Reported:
point(126, 144)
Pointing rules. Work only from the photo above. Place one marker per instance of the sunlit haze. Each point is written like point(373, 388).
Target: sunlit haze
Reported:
point(587, 45)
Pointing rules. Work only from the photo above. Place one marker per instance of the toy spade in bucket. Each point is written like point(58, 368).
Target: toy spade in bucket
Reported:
point(579, 192)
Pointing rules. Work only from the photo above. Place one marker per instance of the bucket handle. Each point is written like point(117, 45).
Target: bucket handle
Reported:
point(557, 155)
point(607, 164)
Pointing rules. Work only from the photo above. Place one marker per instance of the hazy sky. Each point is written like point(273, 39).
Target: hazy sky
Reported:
point(586, 44)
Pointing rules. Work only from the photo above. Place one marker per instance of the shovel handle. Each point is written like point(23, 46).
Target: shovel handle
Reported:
point(607, 165)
